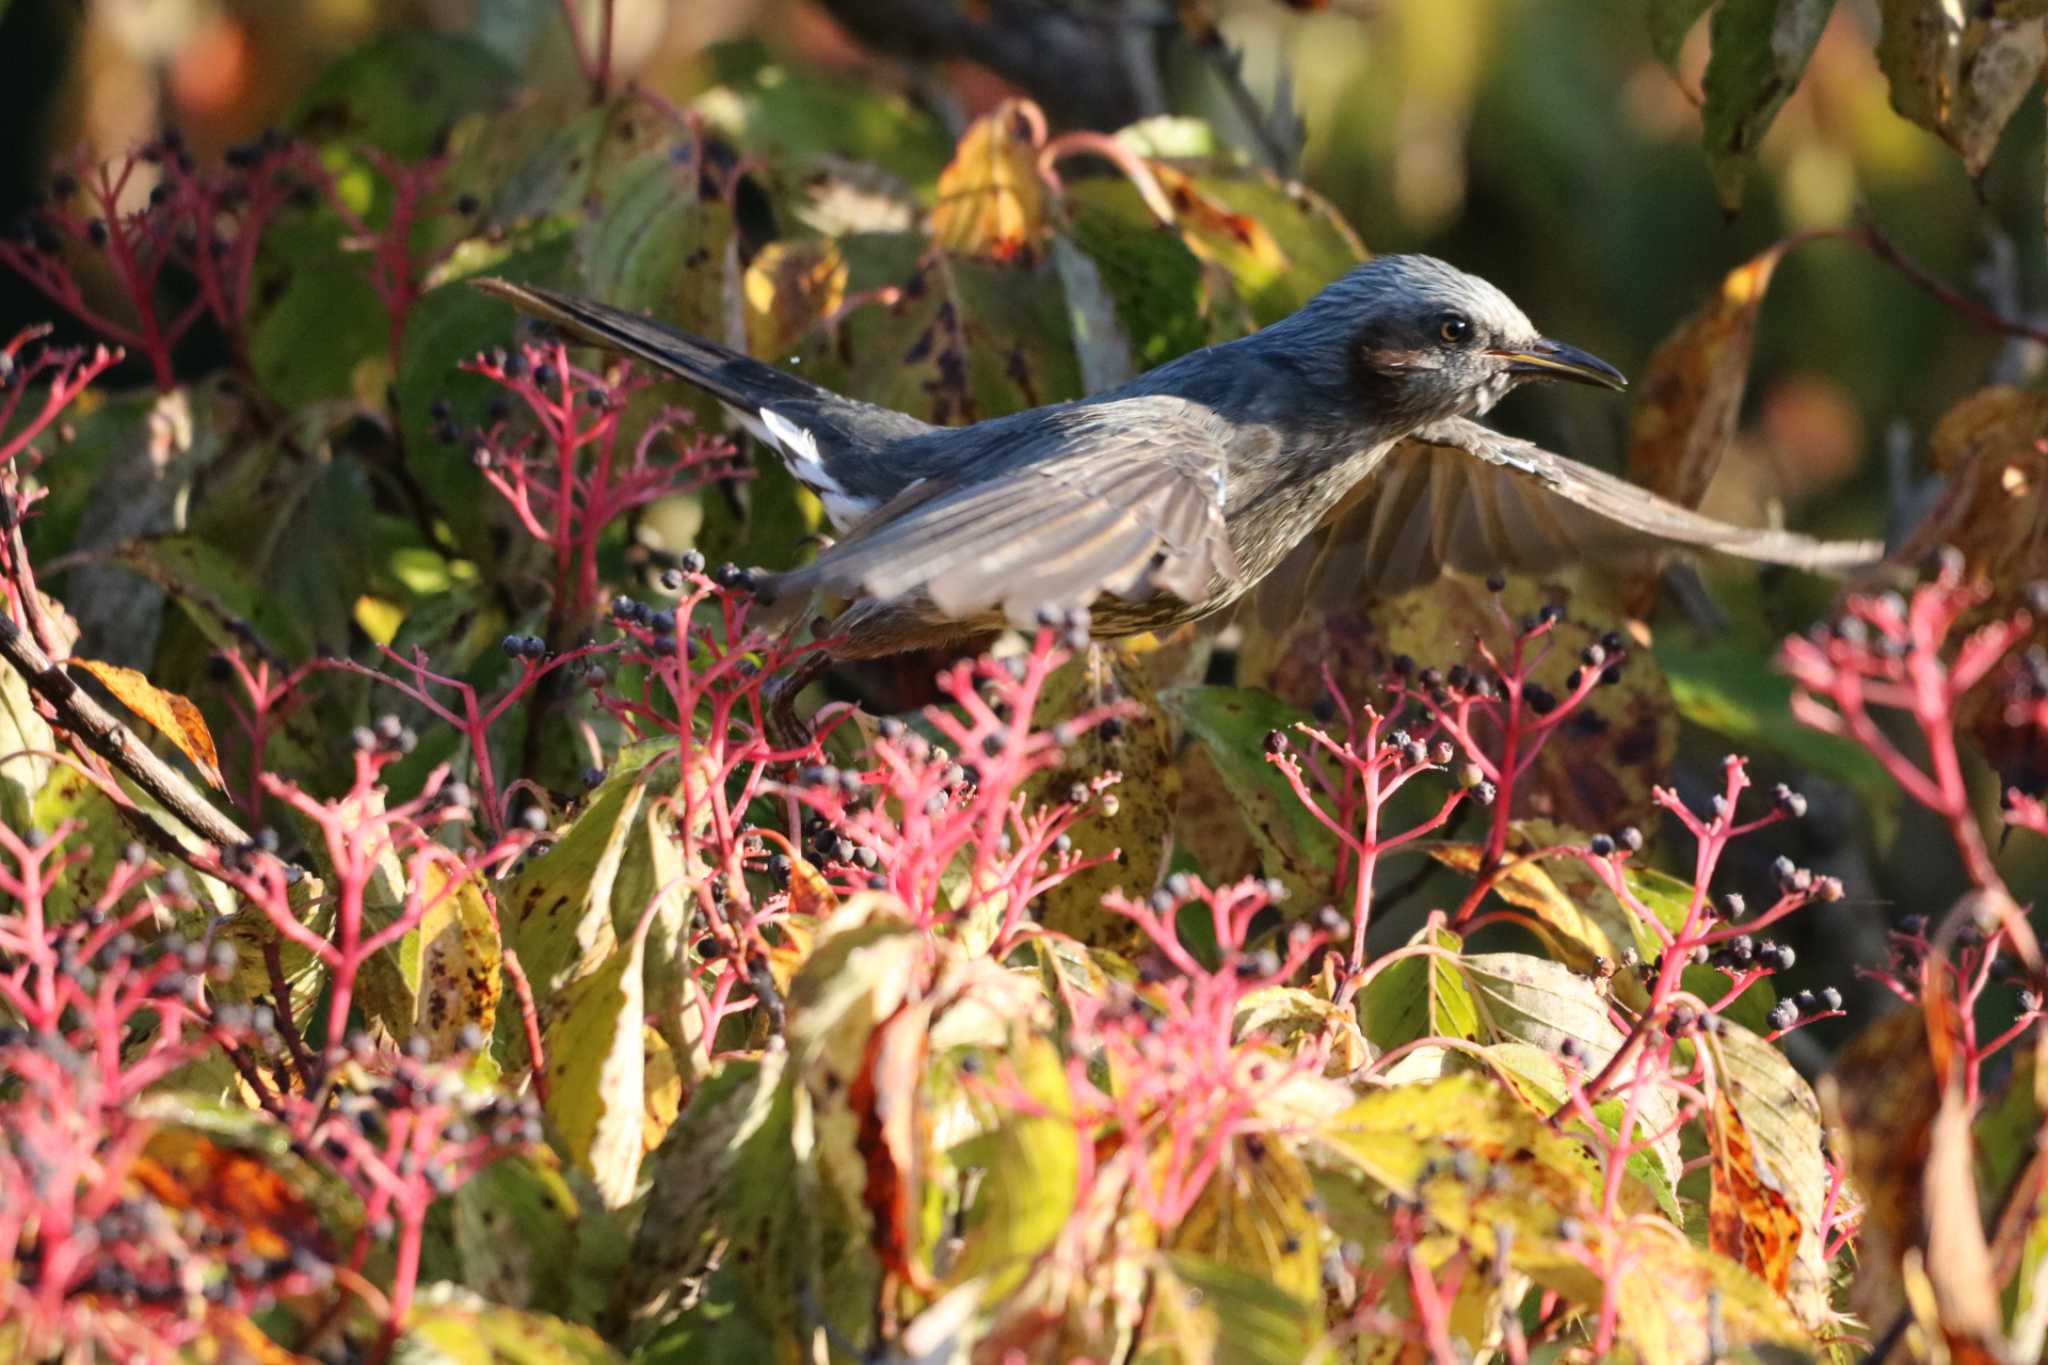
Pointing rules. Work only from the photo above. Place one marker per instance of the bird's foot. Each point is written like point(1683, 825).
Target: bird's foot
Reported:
point(786, 731)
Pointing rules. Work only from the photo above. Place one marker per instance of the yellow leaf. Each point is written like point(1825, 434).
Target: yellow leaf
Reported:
point(172, 714)
point(791, 287)
point(992, 202)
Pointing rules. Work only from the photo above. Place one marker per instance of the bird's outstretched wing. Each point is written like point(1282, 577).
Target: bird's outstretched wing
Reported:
point(1462, 496)
point(1116, 510)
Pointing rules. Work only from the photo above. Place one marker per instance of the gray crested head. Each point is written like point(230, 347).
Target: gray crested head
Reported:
point(1413, 340)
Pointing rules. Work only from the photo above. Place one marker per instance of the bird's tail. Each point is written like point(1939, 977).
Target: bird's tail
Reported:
point(740, 380)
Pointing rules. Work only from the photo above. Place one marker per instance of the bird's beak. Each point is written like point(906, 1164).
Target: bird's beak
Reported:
point(1547, 359)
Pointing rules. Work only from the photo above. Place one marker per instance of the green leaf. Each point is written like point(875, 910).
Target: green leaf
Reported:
point(26, 742)
point(1203, 1309)
point(1029, 1166)
point(401, 92)
point(527, 1241)
point(451, 1326)
point(1419, 997)
point(1670, 21)
point(1721, 688)
point(217, 592)
point(728, 1157)
point(315, 318)
point(449, 325)
point(1760, 50)
point(663, 240)
point(1151, 277)
point(1532, 1000)
point(1232, 723)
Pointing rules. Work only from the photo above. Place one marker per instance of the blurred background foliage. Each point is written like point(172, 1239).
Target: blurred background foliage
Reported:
point(1551, 148)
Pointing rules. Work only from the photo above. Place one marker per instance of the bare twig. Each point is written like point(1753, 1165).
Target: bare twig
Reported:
point(100, 731)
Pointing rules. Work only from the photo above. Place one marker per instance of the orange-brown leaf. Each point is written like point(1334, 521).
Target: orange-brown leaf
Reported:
point(893, 1131)
point(228, 1190)
point(992, 202)
point(1692, 388)
point(169, 712)
point(1749, 1219)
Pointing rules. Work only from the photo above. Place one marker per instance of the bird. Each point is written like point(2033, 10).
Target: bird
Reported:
point(1167, 498)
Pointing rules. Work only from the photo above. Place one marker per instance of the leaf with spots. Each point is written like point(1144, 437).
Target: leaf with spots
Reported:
point(1961, 72)
point(1781, 1121)
point(597, 1063)
point(1254, 1216)
point(791, 287)
point(660, 236)
point(1750, 1220)
point(1130, 825)
point(526, 1240)
point(452, 963)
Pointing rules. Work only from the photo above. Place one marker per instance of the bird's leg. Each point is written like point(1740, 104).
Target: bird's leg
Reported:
point(783, 728)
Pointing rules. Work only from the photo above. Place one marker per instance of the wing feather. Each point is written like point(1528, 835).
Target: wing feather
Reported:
point(1124, 512)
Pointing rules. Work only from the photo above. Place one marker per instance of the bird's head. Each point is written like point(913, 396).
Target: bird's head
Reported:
point(1427, 341)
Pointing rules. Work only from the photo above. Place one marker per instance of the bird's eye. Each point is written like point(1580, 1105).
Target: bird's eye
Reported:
point(1455, 330)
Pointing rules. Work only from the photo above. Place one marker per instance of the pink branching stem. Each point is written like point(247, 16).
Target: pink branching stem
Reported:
point(1894, 653)
point(1374, 766)
point(68, 373)
point(207, 222)
point(273, 693)
point(475, 717)
point(396, 274)
point(572, 479)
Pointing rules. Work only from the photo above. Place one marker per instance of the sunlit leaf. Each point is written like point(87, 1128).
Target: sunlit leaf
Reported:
point(1205, 1310)
point(1420, 996)
point(172, 714)
point(991, 199)
point(1031, 1174)
point(1750, 1219)
point(450, 1326)
point(596, 1061)
point(790, 287)
point(1533, 1000)
point(1781, 1119)
point(1690, 394)
point(1576, 935)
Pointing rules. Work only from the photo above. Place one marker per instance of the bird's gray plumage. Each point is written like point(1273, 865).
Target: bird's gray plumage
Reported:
point(1167, 498)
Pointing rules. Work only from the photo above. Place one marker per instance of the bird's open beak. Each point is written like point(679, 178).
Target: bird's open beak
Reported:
point(1548, 359)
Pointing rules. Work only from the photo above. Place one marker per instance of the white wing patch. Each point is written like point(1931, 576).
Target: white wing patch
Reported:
point(799, 449)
